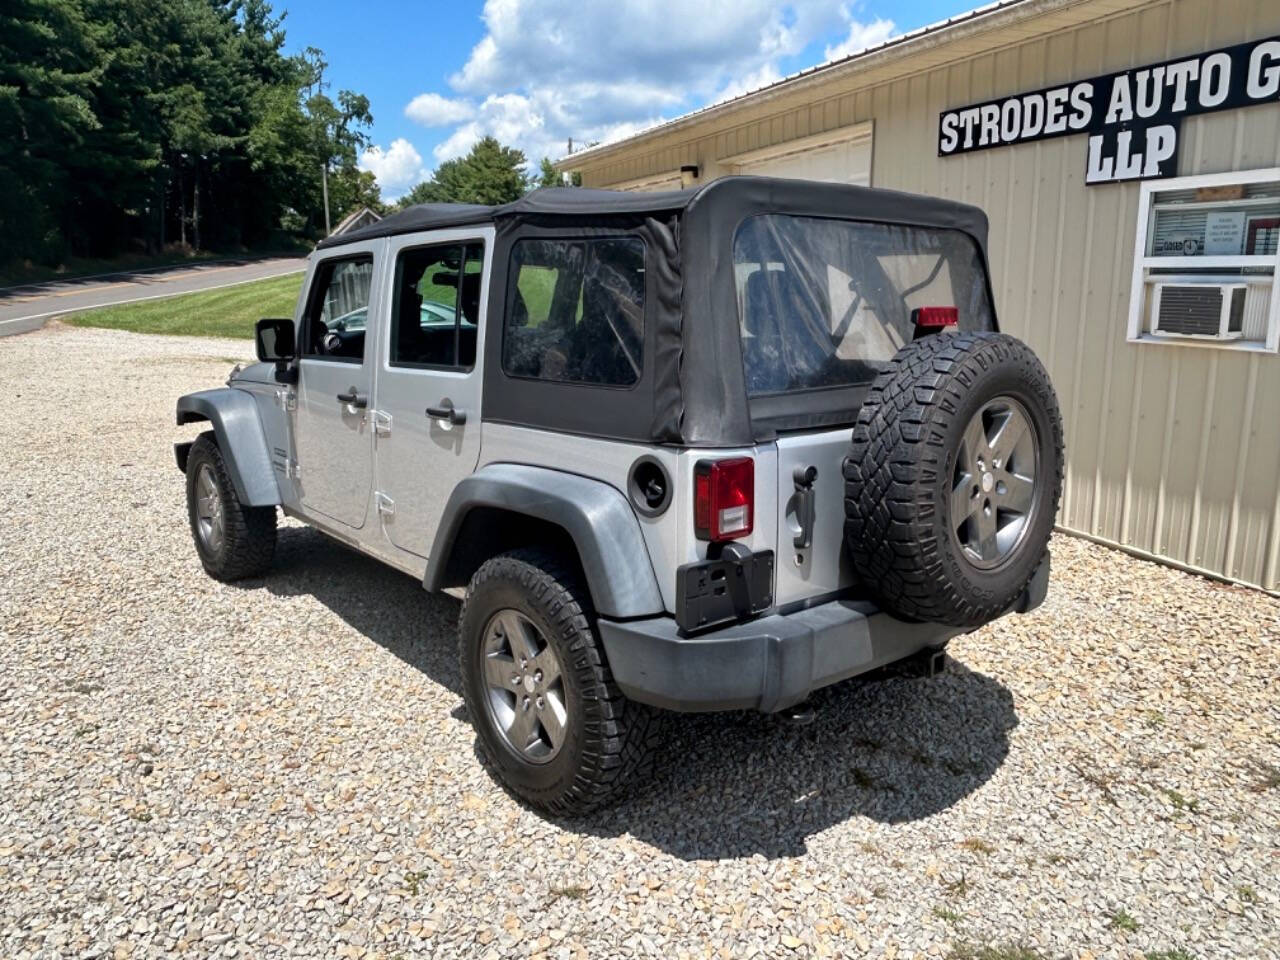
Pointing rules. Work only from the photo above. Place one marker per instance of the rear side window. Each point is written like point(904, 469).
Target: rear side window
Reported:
point(436, 305)
point(826, 303)
point(575, 313)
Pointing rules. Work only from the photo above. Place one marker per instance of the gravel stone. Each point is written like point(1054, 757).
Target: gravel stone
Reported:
point(283, 767)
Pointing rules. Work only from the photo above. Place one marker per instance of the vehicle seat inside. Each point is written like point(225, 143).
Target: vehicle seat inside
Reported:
point(784, 326)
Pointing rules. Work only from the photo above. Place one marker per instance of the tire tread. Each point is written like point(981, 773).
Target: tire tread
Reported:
point(891, 472)
point(250, 531)
point(620, 734)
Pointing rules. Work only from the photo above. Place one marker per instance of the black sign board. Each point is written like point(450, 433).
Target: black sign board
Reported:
point(1133, 117)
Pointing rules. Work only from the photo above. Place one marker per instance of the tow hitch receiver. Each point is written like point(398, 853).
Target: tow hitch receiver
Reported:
point(799, 715)
point(925, 665)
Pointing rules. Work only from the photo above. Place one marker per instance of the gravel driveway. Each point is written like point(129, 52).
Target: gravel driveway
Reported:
point(285, 767)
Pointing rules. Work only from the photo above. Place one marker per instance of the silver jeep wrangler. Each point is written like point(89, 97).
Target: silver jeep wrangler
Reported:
point(703, 450)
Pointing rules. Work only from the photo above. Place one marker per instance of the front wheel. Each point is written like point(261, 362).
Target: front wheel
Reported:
point(545, 707)
point(233, 541)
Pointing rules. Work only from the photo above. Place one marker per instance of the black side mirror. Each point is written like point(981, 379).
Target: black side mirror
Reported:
point(274, 340)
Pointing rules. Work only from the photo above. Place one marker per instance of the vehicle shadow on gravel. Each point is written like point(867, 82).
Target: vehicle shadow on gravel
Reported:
point(388, 607)
point(891, 749)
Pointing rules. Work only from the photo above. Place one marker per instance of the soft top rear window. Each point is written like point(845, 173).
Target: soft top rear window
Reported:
point(827, 303)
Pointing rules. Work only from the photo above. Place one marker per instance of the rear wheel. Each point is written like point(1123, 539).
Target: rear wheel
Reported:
point(953, 480)
point(233, 541)
point(546, 709)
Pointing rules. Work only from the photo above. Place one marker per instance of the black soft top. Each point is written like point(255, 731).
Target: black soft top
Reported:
point(747, 194)
point(549, 201)
point(692, 390)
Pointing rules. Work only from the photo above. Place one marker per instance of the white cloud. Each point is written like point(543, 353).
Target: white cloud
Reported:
point(396, 169)
point(548, 70)
point(752, 81)
point(861, 36)
point(433, 110)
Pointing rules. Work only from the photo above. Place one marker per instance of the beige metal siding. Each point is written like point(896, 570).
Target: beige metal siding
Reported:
point(1173, 451)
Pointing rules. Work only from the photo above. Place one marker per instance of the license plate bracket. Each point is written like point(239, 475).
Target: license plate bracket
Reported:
point(734, 585)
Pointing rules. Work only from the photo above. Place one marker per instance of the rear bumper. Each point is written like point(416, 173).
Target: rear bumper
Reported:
point(773, 662)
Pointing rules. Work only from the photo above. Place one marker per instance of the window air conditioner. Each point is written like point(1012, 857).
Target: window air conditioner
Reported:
point(1210, 310)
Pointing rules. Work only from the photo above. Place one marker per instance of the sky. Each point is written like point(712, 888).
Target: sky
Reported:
point(533, 73)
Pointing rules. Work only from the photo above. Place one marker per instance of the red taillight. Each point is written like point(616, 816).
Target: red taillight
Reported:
point(935, 318)
point(724, 498)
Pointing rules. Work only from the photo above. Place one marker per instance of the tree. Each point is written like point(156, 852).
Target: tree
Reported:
point(549, 176)
point(131, 123)
point(302, 131)
point(490, 174)
point(350, 189)
point(48, 54)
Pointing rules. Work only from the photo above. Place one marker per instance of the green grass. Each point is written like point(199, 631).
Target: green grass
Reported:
point(1179, 801)
point(1122, 920)
point(229, 312)
point(1267, 777)
point(1007, 952)
point(536, 286)
point(413, 881)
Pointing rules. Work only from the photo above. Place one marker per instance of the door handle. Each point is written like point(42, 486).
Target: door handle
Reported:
point(356, 399)
point(447, 411)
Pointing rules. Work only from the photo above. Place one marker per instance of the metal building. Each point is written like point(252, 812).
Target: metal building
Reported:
point(1127, 153)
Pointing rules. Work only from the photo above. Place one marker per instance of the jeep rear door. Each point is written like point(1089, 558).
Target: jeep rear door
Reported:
point(427, 392)
point(824, 304)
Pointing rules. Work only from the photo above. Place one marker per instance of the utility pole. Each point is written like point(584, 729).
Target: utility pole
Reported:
point(324, 181)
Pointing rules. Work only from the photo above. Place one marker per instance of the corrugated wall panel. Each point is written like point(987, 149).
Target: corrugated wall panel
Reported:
point(1172, 450)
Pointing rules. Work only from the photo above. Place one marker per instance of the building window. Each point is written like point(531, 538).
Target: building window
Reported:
point(1205, 261)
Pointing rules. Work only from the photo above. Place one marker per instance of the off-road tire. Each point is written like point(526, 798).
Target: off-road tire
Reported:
point(608, 738)
point(899, 474)
point(249, 542)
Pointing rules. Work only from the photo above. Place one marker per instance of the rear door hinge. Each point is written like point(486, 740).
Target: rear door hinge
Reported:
point(381, 423)
point(386, 506)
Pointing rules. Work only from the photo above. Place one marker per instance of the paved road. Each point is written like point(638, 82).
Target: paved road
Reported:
point(28, 307)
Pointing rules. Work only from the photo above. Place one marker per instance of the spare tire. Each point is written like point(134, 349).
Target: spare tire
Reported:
point(954, 477)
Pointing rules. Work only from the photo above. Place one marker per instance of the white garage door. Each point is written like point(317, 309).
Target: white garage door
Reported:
point(842, 156)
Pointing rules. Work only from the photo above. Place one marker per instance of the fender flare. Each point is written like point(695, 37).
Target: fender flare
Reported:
point(233, 414)
point(597, 518)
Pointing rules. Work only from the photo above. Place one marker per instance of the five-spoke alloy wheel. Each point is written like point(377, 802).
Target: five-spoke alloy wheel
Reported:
point(526, 699)
point(548, 716)
point(993, 491)
point(211, 525)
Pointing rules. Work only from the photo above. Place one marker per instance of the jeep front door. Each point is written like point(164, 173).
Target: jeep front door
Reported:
point(427, 416)
point(332, 434)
